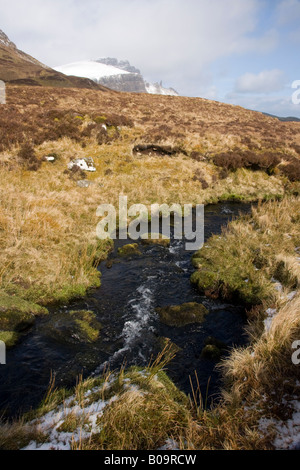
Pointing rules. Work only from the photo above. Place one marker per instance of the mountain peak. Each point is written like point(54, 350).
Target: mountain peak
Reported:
point(5, 41)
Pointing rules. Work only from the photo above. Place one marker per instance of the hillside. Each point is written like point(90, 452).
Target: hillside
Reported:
point(18, 67)
point(195, 124)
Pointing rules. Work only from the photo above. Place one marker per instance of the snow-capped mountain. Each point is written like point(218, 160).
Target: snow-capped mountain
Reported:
point(114, 74)
point(158, 89)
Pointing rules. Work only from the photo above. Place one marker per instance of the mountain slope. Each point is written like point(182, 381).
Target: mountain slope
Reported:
point(20, 68)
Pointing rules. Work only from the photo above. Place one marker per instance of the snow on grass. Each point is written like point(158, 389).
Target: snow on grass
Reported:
point(85, 416)
point(170, 445)
point(79, 416)
point(287, 432)
point(271, 312)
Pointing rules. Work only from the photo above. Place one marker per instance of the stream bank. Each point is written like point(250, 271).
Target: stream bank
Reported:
point(130, 330)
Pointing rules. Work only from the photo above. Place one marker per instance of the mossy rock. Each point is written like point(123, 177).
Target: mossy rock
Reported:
point(196, 262)
point(100, 119)
point(204, 279)
point(78, 326)
point(181, 315)
point(10, 338)
point(215, 342)
point(129, 250)
point(213, 349)
point(155, 239)
point(17, 314)
point(211, 352)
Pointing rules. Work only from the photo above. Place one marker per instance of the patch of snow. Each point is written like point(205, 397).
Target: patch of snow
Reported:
point(50, 423)
point(158, 89)
point(287, 432)
point(292, 295)
point(90, 69)
point(85, 164)
point(170, 445)
point(278, 286)
point(270, 315)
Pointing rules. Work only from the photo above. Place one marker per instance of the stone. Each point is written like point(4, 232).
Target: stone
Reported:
point(74, 327)
point(85, 164)
point(129, 250)
point(182, 315)
point(83, 183)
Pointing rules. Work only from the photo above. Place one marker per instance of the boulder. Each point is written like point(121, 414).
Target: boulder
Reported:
point(182, 315)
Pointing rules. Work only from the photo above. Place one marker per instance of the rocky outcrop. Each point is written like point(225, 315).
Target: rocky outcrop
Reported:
point(5, 41)
point(131, 82)
point(120, 64)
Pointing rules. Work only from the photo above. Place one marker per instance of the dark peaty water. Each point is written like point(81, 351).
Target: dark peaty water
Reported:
point(125, 305)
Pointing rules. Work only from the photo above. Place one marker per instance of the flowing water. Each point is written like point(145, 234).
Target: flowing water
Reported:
point(125, 305)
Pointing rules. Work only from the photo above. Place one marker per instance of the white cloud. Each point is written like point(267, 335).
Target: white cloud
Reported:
point(279, 106)
point(288, 11)
point(172, 40)
point(267, 81)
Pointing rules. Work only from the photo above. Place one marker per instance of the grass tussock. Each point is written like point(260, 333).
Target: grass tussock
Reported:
point(256, 258)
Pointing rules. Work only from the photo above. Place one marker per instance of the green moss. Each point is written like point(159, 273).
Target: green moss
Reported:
point(100, 119)
point(213, 349)
point(78, 326)
point(69, 291)
point(89, 327)
point(10, 338)
point(226, 268)
point(129, 250)
point(204, 279)
point(181, 315)
point(231, 197)
point(211, 352)
point(17, 314)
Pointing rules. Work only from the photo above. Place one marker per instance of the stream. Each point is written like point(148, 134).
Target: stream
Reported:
point(131, 289)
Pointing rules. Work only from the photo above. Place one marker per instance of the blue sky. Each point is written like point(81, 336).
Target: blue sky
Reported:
point(244, 52)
